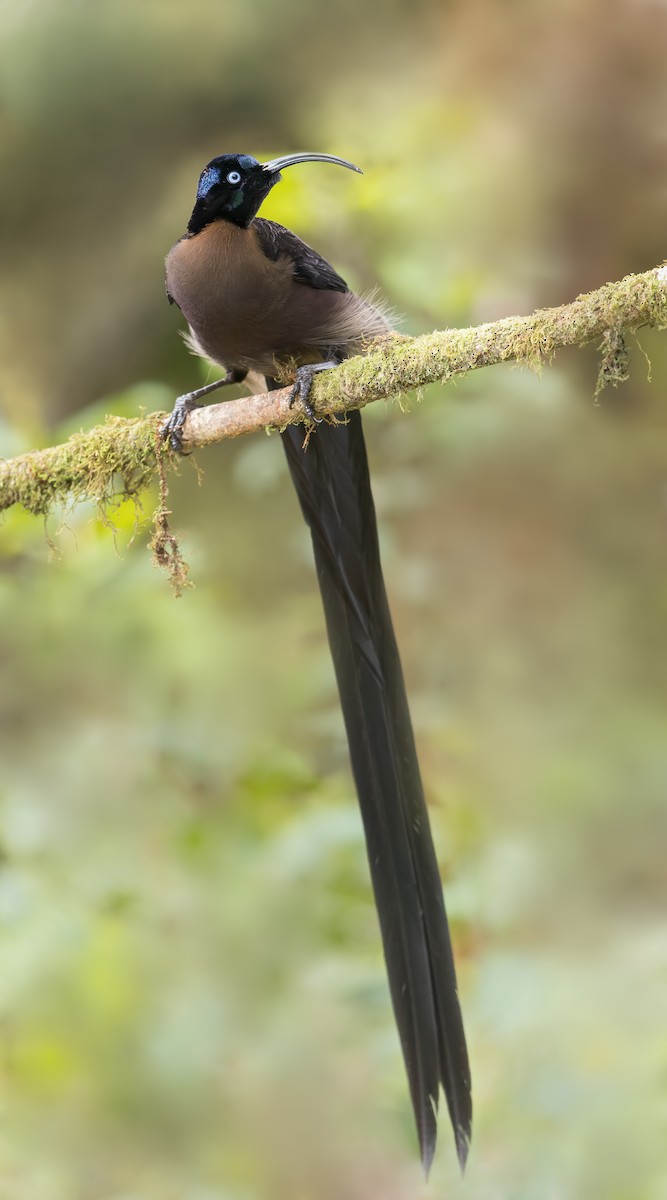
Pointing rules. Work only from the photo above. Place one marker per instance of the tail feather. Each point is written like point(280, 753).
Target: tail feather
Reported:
point(332, 482)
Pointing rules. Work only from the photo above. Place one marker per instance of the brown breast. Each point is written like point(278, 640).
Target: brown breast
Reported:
point(247, 312)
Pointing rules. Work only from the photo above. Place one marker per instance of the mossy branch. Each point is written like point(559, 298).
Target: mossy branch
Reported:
point(122, 456)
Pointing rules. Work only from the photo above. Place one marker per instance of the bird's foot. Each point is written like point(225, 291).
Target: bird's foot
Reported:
point(172, 430)
point(302, 385)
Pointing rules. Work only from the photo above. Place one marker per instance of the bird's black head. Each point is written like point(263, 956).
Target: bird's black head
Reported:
point(232, 186)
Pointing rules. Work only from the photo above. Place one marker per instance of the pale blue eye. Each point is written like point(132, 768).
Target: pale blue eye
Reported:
point(234, 177)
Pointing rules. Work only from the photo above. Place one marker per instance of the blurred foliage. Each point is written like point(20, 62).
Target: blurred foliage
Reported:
point(192, 995)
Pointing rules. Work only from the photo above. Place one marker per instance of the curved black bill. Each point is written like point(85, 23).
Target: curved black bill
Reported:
point(288, 160)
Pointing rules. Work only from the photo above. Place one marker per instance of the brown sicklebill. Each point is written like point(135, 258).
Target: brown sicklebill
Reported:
point(259, 300)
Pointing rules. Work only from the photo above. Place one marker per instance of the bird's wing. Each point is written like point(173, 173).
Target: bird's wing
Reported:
point(309, 266)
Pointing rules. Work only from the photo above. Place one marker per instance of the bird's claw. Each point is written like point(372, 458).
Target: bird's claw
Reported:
point(301, 391)
point(172, 429)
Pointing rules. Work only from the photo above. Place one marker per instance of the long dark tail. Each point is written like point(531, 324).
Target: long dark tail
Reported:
point(332, 482)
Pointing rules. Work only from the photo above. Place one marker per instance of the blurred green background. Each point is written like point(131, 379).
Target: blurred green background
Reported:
point(192, 996)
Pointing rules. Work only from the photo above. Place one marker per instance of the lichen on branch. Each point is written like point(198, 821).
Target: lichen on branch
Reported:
point(115, 459)
point(122, 456)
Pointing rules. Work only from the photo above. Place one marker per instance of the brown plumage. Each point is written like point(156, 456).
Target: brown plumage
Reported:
point(257, 298)
point(249, 312)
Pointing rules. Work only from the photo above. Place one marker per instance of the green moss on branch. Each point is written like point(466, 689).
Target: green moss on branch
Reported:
point(117, 458)
point(121, 456)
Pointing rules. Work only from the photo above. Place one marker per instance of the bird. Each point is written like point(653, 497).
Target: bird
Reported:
point(260, 302)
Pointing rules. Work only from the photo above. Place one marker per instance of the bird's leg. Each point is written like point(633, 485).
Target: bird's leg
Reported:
point(172, 428)
point(304, 382)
